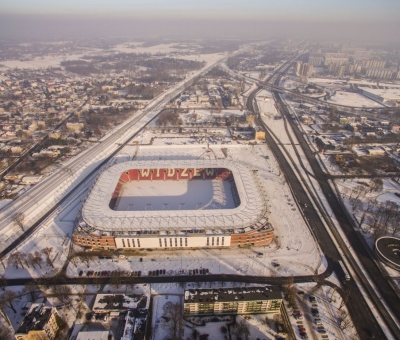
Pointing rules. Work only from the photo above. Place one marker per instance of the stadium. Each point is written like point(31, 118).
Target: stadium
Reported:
point(174, 204)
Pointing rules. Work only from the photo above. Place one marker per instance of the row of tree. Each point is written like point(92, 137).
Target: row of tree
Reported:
point(19, 259)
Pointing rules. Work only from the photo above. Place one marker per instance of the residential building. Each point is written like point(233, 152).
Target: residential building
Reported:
point(39, 323)
point(246, 300)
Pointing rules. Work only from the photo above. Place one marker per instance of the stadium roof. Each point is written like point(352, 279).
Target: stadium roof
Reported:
point(97, 213)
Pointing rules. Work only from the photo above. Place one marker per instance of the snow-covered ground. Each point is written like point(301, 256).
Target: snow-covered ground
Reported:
point(352, 99)
point(154, 194)
point(166, 49)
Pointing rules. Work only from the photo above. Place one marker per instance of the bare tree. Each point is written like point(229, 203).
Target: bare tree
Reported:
point(3, 282)
point(358, 191)
point(386, 214)
point(356, 203)
point(3, 312)
point(7, 298)
point(5, 332)
point(290, 291)
point(37, 258)
point(195, 334)
point(62, 293)
point(278, 318)
point(378, 231)
point(28, 259)
point(16, 259)
point(344, 319)
point(47, 253)
point(172, 317)
point(241, 329)
point(32, 289)
point(345, 298)
point(19, 218)
point(376, 185)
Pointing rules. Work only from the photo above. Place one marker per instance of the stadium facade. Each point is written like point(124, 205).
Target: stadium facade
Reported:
point(175, 204)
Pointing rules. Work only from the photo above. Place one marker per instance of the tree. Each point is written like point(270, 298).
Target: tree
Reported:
point(356, 203)
point(5, 332)
point(376, 184)
point(278, 318)
point(290, 291)
point(16, 259)
point(37, 258)
point(344, 319)
point(47, 253)
point(195, 334)
point(3, 282)
point(62, 293)
point(241, 330)
point(18, 218)
point(7, 299)
point(172, 317)
point(32, 289)
point(345, 298)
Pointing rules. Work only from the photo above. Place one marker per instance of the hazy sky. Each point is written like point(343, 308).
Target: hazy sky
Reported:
point(377, 17)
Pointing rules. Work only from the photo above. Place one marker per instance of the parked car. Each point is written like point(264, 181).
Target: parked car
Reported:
point(318, 321)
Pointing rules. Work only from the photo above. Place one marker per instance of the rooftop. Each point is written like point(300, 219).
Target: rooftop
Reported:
point(120, 302)
point(36, 318)
point(93, 335)
point(232, 294)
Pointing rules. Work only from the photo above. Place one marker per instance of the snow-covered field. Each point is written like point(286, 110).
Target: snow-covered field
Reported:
point(352, 99)
point(167, 49)
point(160, 195)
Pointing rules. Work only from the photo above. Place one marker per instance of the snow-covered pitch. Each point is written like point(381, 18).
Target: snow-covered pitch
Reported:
point(112, 207)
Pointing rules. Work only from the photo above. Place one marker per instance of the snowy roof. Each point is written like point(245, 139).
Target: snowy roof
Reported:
point(232, 294)
point(120, 302)
point(97, 213)
point(93, 335)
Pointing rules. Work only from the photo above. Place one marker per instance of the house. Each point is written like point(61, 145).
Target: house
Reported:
point(75, 126)
point(375, 151)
